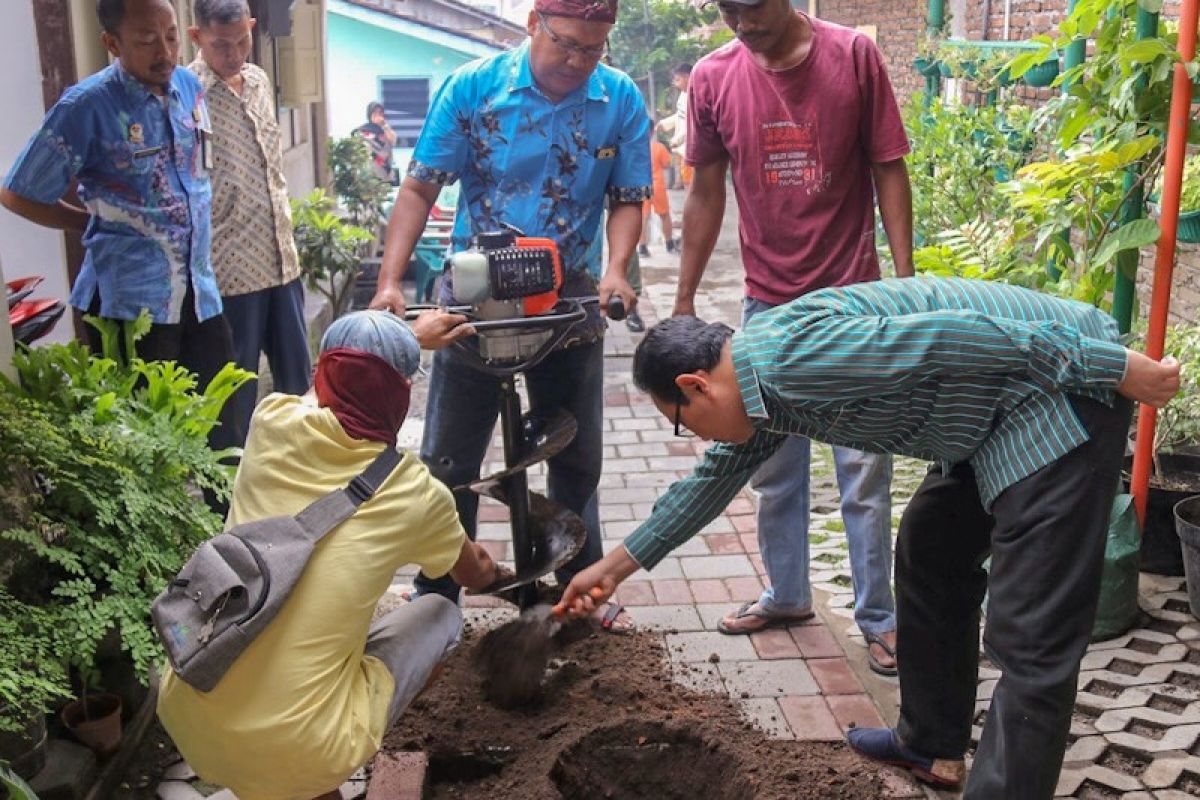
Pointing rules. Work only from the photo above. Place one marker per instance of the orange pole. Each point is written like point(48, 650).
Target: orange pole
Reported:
point(1164, 261)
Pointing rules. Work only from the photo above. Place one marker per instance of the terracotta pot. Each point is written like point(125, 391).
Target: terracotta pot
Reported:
point(95, 720)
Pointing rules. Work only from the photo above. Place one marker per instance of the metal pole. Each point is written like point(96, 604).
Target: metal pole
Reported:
point(516, 486)
point(1164, 260)
point(1134, 208)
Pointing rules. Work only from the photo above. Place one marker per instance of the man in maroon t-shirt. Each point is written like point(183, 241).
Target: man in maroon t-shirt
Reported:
point(803, 112)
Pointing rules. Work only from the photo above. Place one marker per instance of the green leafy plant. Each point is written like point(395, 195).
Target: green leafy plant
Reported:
point(11, 782)
point(1178, 423)
point(652, 40)
point(1190, 198)
point(105, 460)
point(329, 248)
point(358, 188)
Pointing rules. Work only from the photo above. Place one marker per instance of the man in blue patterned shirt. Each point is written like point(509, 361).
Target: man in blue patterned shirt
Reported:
point(540, 136)
point(1013, 395)
point(133, 137)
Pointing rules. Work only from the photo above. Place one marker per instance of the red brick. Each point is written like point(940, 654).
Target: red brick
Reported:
point(398, 776)
point(757, 561)
point(744, 588)
point(834, 676)
point(709, 591)
point(749, 542)
point(744, 523)
point(636, 593)
point(854, 710)
point(671, 592)
point(815, 641)
point(774, 644)
point(490, 512)
point(741, 506)
point(724, 543)
point(810, 718)
point(680, 449)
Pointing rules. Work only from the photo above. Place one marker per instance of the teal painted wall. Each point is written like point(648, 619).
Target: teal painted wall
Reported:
point(360, 54)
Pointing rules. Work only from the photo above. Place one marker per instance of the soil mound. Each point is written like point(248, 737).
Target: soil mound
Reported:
point(610, 722)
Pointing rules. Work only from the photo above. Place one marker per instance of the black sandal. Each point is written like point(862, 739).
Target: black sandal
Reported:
point(873, 662)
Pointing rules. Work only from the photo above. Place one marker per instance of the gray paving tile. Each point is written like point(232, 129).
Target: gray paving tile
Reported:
point(703, 646)
point(775, 678)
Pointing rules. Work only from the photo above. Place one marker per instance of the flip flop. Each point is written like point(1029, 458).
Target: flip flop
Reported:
point(606, 621)
point(768, 620)
point(873, 662)
point(884, 746)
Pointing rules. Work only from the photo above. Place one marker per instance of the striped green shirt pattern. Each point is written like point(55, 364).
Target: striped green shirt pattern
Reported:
point(941, 369)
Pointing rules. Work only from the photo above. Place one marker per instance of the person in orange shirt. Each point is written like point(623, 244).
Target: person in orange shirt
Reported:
point(659, 203)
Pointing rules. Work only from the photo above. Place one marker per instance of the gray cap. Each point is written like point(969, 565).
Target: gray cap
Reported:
point(379, 333)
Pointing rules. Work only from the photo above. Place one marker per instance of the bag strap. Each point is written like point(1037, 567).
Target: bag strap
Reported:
point(327, 512)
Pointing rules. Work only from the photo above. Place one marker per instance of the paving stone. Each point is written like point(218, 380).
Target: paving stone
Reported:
point(398, 776)
point(815, 641)
point(224, 794)
point(1165, 771)
point(715, 566)
point(167, 790)
point(664, 570)
point(701, 646)
point(774, 643)
point(743, 588)
point(709, 590)
point(834, 676)
point(69, 771)
point(671, 592)
point(699, 677)
point(724, 544)
point(711, 613)
point(636, 593)
point(767, 716)
point(810, 718)
point(854, 711)
point(749, 542)
point(719, 524)
point(744, 523)
point(672, 618)
point(767, 678)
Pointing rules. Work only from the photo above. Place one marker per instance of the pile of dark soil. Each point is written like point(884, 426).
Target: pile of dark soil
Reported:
point(610, 723)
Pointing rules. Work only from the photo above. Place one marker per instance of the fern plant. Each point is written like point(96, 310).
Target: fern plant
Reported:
point(105, 461)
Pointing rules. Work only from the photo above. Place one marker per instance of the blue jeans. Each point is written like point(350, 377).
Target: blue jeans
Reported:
point(460, 416)
point(864, 480)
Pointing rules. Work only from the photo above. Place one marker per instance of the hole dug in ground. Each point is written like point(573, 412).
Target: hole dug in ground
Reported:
point(647, 760)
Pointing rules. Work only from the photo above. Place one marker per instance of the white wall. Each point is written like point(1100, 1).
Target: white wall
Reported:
point(26, 249)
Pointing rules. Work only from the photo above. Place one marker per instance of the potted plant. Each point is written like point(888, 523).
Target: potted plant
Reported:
point(1189, 201)
point(1175, 475)
point(329, 248)
point(104, 457)
point(927, 62)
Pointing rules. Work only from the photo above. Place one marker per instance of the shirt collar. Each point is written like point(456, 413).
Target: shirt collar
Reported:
point(747, 380)
point(209, 78)
point(521, 77)
point(137, 90)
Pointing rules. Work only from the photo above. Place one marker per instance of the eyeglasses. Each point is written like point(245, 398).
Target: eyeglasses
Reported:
point(680, 430)
point(570, 48)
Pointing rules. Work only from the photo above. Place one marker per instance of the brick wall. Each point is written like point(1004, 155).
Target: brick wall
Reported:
point(899, 24)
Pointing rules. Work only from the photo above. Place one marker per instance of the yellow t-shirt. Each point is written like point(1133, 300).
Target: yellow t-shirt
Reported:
point(302, 707)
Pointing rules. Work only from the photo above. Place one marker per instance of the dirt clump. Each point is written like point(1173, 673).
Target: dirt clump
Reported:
point(609, 722)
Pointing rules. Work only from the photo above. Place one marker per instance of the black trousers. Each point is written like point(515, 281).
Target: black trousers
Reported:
point(1046, 536)
point(202, 347)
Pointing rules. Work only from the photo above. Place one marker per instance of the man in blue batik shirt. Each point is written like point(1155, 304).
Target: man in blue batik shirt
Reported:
point(540, 137)
point(133, 136)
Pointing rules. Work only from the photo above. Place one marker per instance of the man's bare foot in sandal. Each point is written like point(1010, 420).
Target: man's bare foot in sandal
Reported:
point(752, 617)
point(881, 652)
point(611, 617)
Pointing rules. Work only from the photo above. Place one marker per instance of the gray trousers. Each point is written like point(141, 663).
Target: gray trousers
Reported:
point(411, 641)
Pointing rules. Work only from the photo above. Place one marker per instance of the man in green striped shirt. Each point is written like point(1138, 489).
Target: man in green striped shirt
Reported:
point(1014, 397)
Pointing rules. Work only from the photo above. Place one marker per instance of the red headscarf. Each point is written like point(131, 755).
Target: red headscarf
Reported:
point(366, 394)
point(590, 10)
